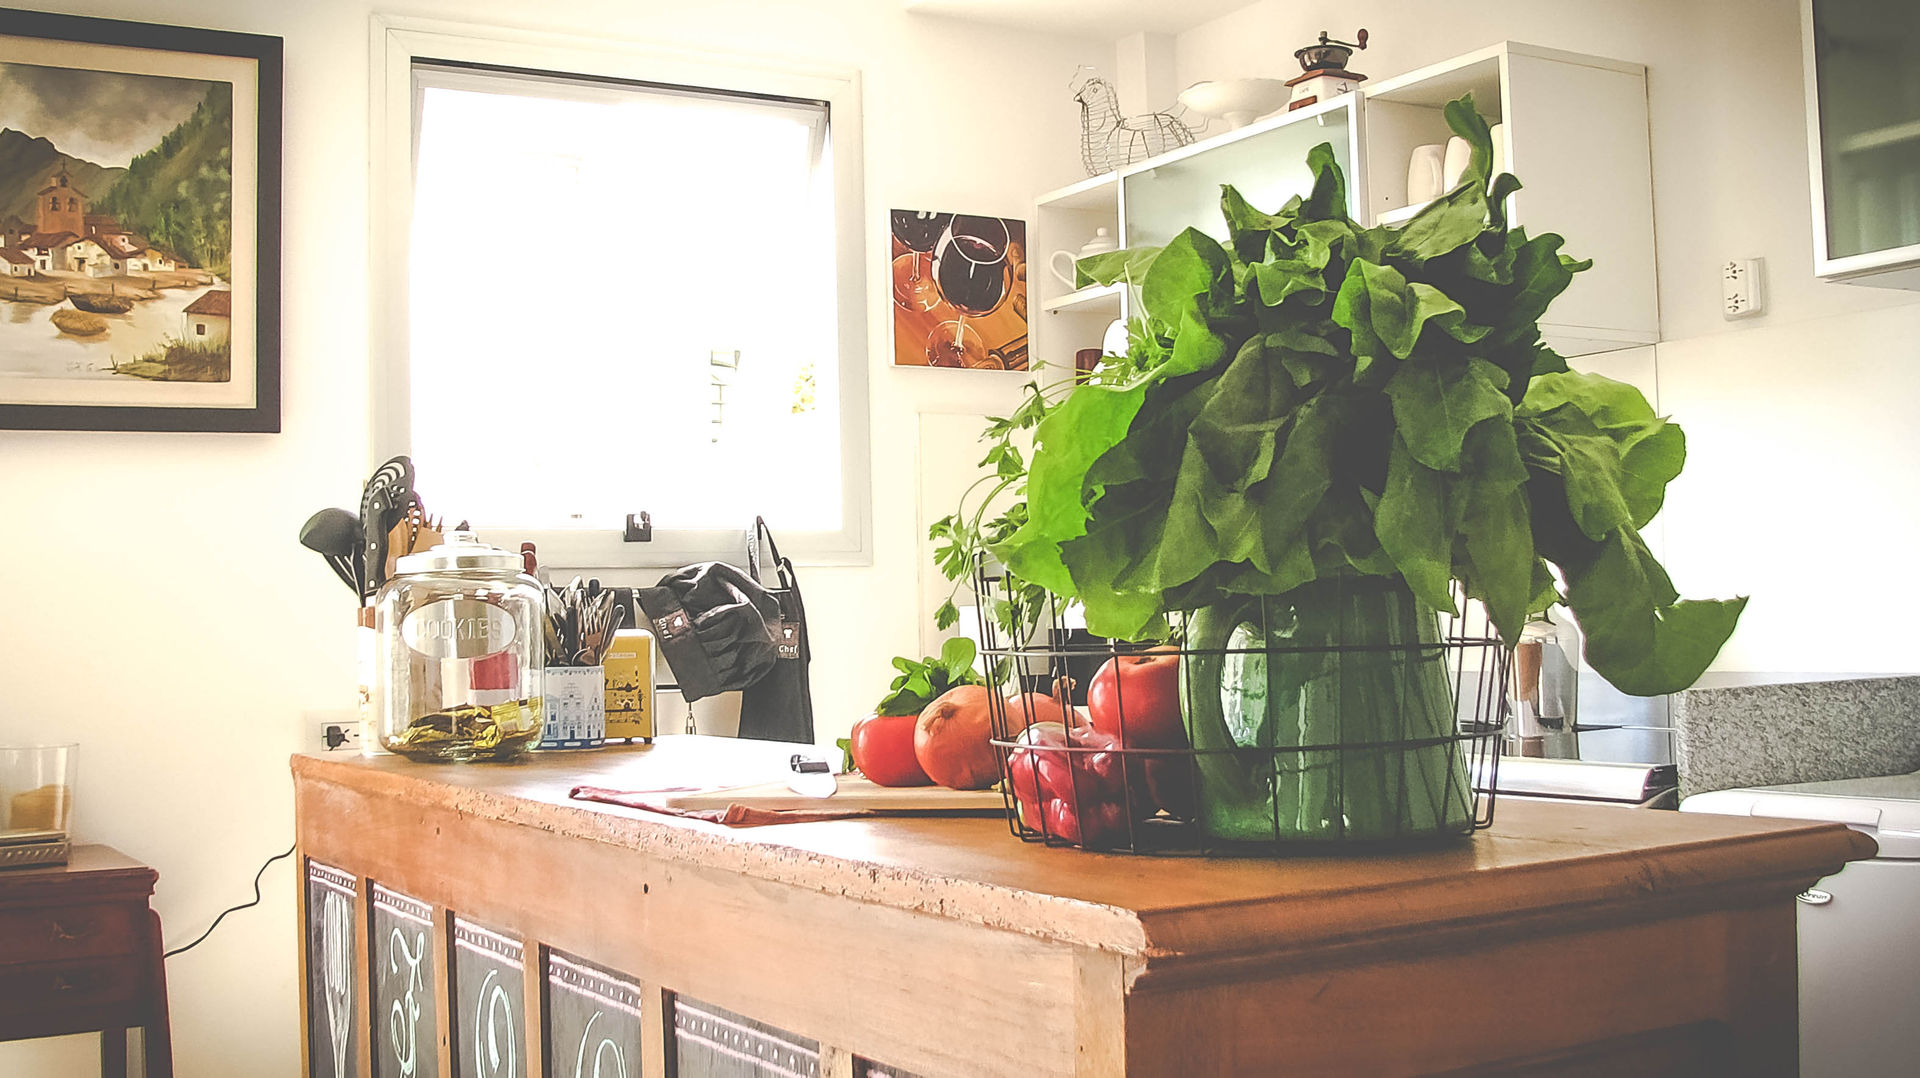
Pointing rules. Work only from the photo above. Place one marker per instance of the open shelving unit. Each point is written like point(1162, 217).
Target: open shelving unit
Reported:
point(1064, 220)
point(1574, 130)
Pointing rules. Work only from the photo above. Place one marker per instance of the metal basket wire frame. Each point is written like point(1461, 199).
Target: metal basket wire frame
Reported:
point(1138, 794)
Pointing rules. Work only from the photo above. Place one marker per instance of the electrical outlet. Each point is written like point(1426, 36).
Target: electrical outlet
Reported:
point(1741, 294)
point(335, 731)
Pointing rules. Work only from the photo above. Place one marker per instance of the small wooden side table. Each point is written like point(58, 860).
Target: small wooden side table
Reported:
point(80, 952)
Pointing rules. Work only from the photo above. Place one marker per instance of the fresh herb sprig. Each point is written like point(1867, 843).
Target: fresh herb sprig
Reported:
point(923, 681)
point(962, 537)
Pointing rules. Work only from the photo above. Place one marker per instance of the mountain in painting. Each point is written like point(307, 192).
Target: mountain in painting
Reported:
point(26, 163)
point(180, 193)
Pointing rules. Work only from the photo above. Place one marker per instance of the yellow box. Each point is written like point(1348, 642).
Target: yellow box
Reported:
point(629, 665)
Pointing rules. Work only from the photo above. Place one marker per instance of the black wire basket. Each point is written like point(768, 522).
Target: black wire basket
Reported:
point(1345, 713)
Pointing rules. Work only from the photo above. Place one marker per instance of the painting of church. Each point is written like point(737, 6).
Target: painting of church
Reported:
point(65, 238)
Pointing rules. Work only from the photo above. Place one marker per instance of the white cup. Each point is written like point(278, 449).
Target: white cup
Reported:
point(1459, 156)
point(1064, 276)
point(1424, 172)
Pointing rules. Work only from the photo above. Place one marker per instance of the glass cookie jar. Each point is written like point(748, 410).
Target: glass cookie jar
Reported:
point(459, 653)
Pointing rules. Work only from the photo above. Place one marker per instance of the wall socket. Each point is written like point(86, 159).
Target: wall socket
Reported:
point(1741, 291)
point(335, 731)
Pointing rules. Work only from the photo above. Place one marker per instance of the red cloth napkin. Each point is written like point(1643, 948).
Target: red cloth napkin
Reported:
point(732, 815)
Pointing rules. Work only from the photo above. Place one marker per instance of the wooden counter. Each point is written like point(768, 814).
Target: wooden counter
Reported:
point(1566, 940)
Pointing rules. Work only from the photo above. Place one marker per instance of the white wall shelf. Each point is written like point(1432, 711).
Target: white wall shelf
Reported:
point(1098, 193)
point(1881, 138)
point(1091, 299)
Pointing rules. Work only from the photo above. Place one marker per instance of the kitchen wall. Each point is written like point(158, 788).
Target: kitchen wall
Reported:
point(163, 616)
point(1799, 488)
point(161, 612)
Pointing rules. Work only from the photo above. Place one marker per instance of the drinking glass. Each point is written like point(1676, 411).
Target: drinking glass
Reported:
point(970, 263)
point(36, 791)
point(918, 232)
point(953, 343)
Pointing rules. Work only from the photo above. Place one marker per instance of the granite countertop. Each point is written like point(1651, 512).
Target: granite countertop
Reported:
point(1769, 729)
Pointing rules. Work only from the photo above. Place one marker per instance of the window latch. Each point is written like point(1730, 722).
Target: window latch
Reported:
point(639, 528)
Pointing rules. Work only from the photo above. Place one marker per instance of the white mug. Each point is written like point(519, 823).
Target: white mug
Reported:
point(1424, 173)
point(1459, 156)
point(1065, 276)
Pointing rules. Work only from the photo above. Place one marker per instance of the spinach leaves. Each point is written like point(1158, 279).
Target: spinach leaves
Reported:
point(1314, 399)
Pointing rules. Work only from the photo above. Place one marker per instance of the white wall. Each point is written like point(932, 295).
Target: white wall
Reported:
point(161, 612)
point(1799, 489)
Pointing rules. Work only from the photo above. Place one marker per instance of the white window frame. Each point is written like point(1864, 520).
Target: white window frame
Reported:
point(398, 42)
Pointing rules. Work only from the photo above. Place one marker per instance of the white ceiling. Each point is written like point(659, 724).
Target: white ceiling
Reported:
point(1102, 19)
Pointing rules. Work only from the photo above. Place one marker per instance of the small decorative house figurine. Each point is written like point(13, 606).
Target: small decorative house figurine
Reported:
point(1325, 74)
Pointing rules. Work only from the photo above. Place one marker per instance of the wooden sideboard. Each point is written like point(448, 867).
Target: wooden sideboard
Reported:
point(472, 920)
point(80, 951)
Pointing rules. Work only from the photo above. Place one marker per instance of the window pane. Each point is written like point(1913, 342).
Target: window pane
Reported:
point(622, 299)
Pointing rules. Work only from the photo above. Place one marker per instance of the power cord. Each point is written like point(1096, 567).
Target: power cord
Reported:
point(234, 909)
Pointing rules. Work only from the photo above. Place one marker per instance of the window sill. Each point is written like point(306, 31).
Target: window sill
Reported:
point(602, 552)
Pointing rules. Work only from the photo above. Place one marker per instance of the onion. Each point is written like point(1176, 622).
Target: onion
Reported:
point(954, 739)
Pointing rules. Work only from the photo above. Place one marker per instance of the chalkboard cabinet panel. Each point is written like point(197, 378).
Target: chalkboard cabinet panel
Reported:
point(405, 1039)
point(332, 985)
point(593, 1020)
point(942, 945)
point(489, 1003)
point(709, 1042)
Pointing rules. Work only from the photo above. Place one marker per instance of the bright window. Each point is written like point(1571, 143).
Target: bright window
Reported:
point(626, 295)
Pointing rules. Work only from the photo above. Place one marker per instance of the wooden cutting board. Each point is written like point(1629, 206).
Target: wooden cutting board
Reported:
point(855, 792)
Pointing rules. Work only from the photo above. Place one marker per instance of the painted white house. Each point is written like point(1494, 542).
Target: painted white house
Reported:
point(47, 249)
point(85, 256)
point(207, 320)
point(15, 262)
point(131, 253)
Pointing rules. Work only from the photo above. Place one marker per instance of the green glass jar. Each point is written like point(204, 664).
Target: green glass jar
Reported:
point(1325, 715)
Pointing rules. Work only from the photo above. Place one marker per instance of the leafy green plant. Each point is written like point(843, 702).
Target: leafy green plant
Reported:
point(961, 537)
point(1314, 399)
point(922, 682)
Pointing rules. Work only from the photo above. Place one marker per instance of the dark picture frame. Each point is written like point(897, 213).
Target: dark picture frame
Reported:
point(242, 395)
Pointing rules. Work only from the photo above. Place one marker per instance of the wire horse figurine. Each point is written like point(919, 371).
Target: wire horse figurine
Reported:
point(1110, 139)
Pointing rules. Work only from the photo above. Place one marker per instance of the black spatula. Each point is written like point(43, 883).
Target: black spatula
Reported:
point(384, 501)
point(335, 535)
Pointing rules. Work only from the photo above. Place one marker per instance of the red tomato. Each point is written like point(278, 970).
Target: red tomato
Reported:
point(1137, 698)
point(883, 750)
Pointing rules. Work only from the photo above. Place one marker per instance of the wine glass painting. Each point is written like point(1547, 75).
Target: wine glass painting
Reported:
point(959, 290)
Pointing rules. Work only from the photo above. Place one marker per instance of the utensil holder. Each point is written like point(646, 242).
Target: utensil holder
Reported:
point(576, 708)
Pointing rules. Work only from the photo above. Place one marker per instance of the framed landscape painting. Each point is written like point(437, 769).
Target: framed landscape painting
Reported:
point(139, 226)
